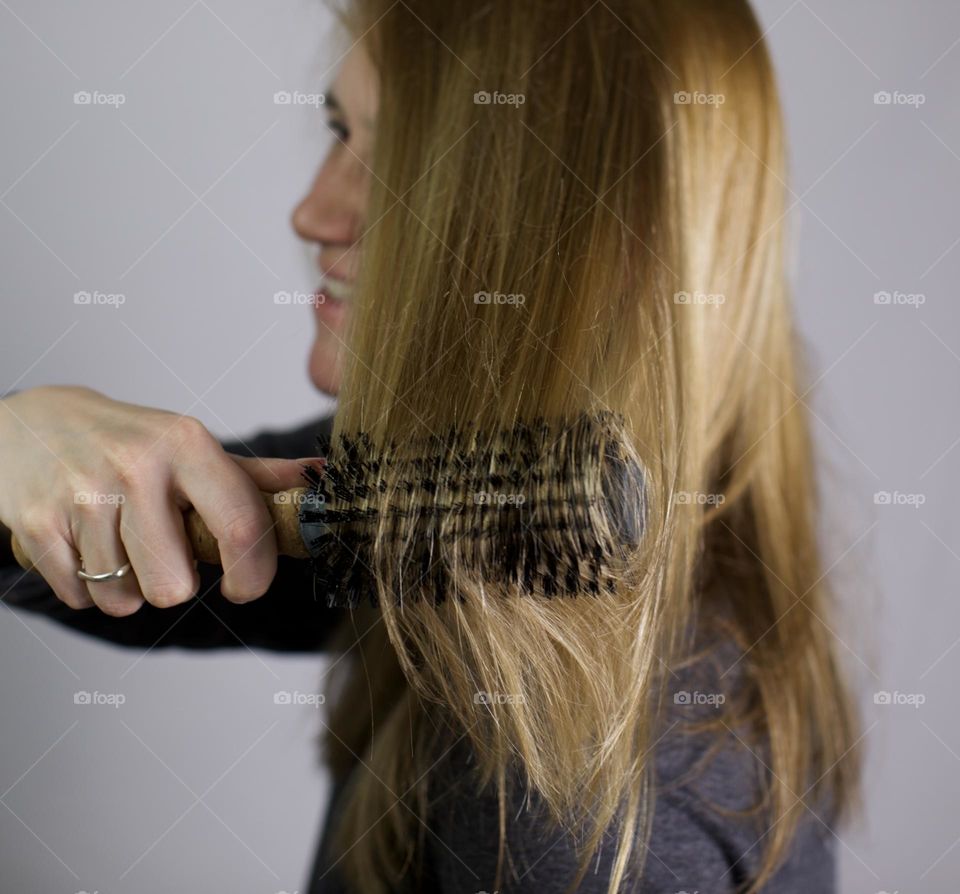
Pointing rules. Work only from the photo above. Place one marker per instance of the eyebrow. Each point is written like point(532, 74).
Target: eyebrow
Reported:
point(332, 102)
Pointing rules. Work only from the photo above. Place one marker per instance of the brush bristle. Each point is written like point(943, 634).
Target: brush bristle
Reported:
point(551, 509)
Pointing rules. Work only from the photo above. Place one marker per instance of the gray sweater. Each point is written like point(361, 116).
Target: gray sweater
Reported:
point(695, 847)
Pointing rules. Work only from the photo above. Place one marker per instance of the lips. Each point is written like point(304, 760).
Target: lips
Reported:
point(330, 302)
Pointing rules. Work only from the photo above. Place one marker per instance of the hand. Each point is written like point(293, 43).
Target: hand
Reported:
point(84, 475)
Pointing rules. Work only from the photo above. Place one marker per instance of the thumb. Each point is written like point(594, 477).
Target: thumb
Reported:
point(271, 474)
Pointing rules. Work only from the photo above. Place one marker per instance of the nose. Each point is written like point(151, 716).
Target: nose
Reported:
point(331, 212)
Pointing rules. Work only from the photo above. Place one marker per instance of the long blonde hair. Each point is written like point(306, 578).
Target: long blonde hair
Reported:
point(612, 175)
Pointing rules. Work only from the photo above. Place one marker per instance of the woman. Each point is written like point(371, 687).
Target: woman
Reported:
point(563, 206)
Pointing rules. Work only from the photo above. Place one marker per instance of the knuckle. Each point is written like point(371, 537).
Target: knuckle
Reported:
point(189, 429)
point(132, 473)
point(245, 590)
point(166, 592)
point(141, 456)
point(245, 585)
point(73, 599)
point(128, 453)
point(243, 530)
point(136, 463)
point(118, 608)
point(37, 525)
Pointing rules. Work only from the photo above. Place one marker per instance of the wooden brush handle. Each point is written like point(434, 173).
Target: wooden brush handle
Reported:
point(284, 511)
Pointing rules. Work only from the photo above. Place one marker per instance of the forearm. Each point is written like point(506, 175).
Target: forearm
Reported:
point(286, 618)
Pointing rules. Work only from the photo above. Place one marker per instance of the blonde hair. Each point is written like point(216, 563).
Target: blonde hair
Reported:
point(625, 185)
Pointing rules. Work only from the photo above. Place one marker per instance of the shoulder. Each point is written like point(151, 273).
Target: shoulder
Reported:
point(702, 837)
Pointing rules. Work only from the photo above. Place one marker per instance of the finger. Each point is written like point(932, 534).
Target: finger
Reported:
point(97, 538)
point(230, 504)
point(271, 475)
point(56, 560)
point(153, 535)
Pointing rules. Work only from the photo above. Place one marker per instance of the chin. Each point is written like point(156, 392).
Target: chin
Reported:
point(325, 363)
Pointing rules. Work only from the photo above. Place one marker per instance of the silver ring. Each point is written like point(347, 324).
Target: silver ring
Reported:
point(107, 575)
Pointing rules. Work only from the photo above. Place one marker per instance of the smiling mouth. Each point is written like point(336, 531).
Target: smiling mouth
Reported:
point(335, 290)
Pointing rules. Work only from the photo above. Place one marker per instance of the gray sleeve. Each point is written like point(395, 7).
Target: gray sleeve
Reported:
point(288, 618)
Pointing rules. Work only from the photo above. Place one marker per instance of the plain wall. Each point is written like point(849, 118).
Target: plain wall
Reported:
point(180, 199)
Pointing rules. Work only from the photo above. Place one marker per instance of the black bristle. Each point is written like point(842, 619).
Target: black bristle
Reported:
point(581, 506)
point(572, 577)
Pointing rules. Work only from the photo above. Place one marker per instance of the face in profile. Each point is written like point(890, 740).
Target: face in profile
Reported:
point(330, 215)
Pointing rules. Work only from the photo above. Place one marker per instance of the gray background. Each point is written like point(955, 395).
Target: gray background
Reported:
point(179, 200)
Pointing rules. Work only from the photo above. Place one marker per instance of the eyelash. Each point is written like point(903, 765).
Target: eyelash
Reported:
point(339, 131)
